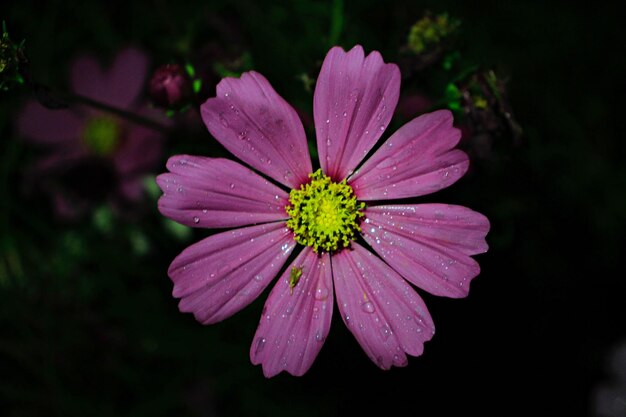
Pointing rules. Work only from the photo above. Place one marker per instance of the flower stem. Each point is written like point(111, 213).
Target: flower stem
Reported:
point(133, 117)
point(54, 99)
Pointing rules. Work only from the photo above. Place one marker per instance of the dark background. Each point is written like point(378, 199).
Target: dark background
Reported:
point(89, 328)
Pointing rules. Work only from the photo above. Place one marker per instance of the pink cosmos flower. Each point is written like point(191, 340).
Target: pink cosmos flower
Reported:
point(335, 213)
point(88, 150)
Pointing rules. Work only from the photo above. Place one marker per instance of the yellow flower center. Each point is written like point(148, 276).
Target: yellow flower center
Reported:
point(324, 214)
point(101, 135)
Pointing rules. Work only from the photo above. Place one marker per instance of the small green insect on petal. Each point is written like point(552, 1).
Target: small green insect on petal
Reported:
point(294, 277)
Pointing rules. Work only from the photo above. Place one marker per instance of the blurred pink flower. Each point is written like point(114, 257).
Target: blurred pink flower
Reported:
point(428, 245)
point(90, 155)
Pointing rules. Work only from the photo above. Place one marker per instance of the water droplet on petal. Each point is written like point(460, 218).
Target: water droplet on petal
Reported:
point(368, 307)
point(386, 332)
point(196, 220)
point(400, 360)
point(223, 120)
point(232, 185)
point(345, 113)
point(321, 293)
point(319, 336)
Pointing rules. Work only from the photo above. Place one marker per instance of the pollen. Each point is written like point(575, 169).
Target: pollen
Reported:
point(324, 214)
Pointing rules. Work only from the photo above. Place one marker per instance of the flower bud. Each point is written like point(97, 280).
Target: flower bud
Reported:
point(170, 86)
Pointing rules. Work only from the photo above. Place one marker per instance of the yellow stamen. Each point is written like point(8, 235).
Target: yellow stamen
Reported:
point(324, 214)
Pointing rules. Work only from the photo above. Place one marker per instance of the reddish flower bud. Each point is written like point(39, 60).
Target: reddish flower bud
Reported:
point(170, 86)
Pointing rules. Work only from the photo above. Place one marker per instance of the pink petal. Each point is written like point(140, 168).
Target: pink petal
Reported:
point(418, 159)
point(295, 321)
point(254, 123)
point(120, 86)
point(43, 126)
point(382, 311)
point(127, 77)
point(208, 192)
point(354, 101)
point(429, 244)
point(88, 79)
point(223, 273)
point(140, 152)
